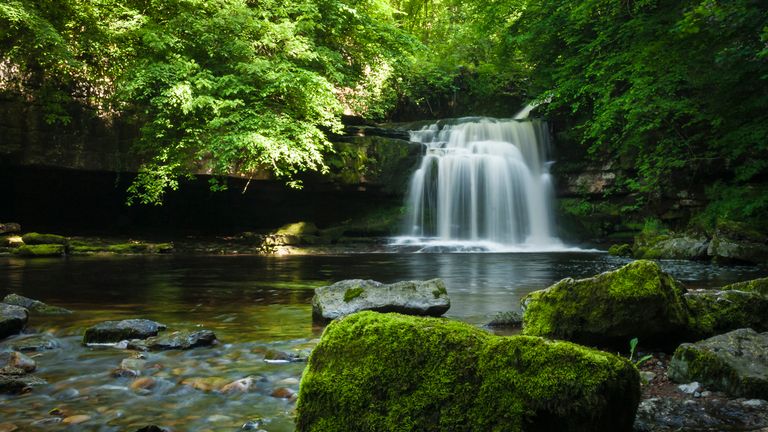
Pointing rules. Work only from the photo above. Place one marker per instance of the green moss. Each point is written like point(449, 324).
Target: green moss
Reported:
point(622, 250)
point(42, 250)
point(392, 372)
point(140, 248)
point(353, 293)
point(756, 285)
point(637, 300)
point(297, 229)
point(40, 239)
point(713, 312)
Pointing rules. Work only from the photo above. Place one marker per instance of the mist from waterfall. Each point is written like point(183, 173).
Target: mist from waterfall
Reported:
point(483, 184)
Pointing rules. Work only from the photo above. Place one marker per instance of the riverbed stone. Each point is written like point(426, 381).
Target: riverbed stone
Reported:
point(178, 340)
point(637, 300)
point(17, 360)
point(735, 363)
point(12, 319)
point(673, 415)
point(34, 305)
point(428, 298)
point(14, 380)
point(715, 312)
point(374, 371)
point(116, 331)
point(34, 342)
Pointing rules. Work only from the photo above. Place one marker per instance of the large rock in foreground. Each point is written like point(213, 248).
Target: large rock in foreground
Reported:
point(637, 300)
point(428, 298)
point(116, 331)
point(735, 362)
point(383, 372)
point(12, 319)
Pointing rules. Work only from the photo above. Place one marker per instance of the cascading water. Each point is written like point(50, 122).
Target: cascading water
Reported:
point(483, 184)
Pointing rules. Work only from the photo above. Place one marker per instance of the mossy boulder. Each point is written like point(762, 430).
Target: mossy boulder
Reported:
point(714, 312)
point(622, 250)
point(40, 250)
point(756, 286)
point(140, 248)
point(738, 242)
point(637, 300)
point(670, 246)
point(390, 372)
point(735, 362)
point(34, 305)
point(408, 297)
point(116, 331)
point(34, 238)
point(12, 319)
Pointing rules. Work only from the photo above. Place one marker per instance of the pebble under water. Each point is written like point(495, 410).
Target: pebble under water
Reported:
point(256, 306)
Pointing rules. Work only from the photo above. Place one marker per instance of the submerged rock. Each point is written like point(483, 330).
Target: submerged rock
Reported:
point(716, 312)
point(14, 380)
point(673, 415)
point(116, 331)
point(735, 362)
point(35, 342)
point(410, 297)
point(179, 340)
point(374, 371)
point(34, 305)
point(12, 319)
point(637, 300)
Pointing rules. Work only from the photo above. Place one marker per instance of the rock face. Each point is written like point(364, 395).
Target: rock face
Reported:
point(410, 297)
point(735, 362)
point(116, 331)
point(637, 300)
point(374, 371)
point(714, 312)
point(180, 340)
point(34, 305)
point(12, 319)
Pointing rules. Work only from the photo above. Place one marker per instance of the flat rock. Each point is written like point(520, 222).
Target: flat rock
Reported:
point(346, 297)
point(34, 342)
point(34, 305)
point(116, 331)
point(735, 363)
point(12, 319)
point(179, 340)
point(673, 415)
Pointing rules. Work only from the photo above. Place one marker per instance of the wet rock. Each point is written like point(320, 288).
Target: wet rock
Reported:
point(509, 319)
point(12, 319)
point(144, 383)
point(205, 384)
point(668, 415)
point(759, 286)
point(46, 421)
point(34, 305)
point(17, 360)
point(17, 380)
point(277, 356)
point(637, 300)
point(735, 362)
point(35, 342)
point(370, 371)
point(715, 312)
point(76, 419)
point(40, 251)
point(34, 238)
point(9, 227)
point(124, 373)
point(116, 331)
point(671, 247)
point(179, 340)
point(252, 425)
point(350, 296)
point(242, 385)
point(690, 388)
point(283, 393)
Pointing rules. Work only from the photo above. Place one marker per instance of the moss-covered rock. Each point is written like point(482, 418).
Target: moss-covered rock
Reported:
point(40, 250)
point(11, 241)
point(756, 286)
point(622, 250)
point(43, 239)
point(140, 248)
point(34, 305)
point(671, 247)
point(714, 312)
point(738, 242)
point(735, 362)
point(637, 300)
point(389, 372)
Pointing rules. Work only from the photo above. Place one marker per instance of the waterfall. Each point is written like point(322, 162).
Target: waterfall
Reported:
point(483, 183)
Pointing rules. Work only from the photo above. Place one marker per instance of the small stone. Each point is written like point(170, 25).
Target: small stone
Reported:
point(205, 384)
point(240, 386)
point(251, 425)
point(124, 373)
point(288, 381)
point(756, 403)
point(133, 363)
point(145, 383)
point(36, 342)
point(697, 394)
point(706, 394)
point(8, 427)
point(283, 393)
point(47, 421)
point(76, 419)
point(647, 376)
point(17, 360)
point(689, 388)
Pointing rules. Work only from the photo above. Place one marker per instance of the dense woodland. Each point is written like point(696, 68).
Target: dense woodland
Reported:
point(676, 89)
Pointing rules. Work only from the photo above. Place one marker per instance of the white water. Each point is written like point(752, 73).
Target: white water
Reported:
point(483, 185)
